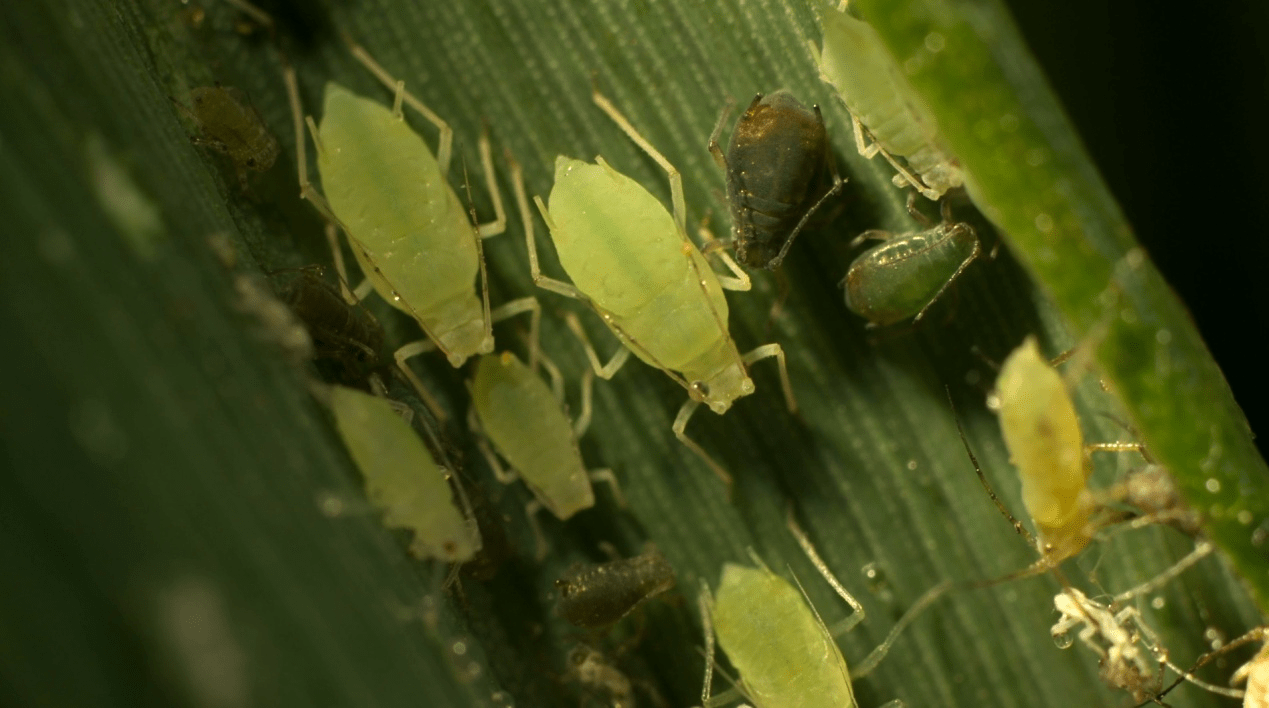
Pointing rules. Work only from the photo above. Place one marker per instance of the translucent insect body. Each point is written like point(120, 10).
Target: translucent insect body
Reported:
point(596, 595)
point(229, 124)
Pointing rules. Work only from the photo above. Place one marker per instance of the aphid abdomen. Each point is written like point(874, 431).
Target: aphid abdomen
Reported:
point(411, 234)
point(343, 333)
point(621, 248)
point(784, 655)
point(775, 162)
point(1042, 433)
point(402, 478)
point(527, 426)
point(593, 596)
point(897, 278)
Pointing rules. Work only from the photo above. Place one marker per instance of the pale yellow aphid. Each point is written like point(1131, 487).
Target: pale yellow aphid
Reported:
point(526, 422)
point(633, 263)
point(1042, 432)
point(785, 656)
point(403, 479)
point(856, 63)
point(404, 222)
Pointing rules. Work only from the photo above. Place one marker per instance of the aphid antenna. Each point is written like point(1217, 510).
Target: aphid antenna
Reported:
point(982, 478)
point(1256, 634)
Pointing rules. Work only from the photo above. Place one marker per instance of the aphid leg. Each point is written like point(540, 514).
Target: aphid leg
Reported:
point(857, 614)
point(341, 271)
point(603, 371)
point(948, 283)
point(1201, 550)
point(1118, 447)
point(583, 418)
point(904, 176)
point(870, 235)
point(557, 379)
point(920, 217)
point(254, 13)
point(1257, 634)
point(558, 287)
point(739, 279)
point(444, 149)
point(606, 476)
point(775, 350)
point(499, 224)
point(531, 510)
point(704, 601)
point(517, 307)
point(680, 425)
point(408, 351)
point(714, 148)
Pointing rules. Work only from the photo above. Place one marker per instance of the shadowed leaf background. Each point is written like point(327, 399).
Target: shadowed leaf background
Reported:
point(163, 537)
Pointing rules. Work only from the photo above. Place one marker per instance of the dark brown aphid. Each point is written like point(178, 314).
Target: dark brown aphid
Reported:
point(595, 595)
point(228, 123)
point(347, 338)
point(779, 172)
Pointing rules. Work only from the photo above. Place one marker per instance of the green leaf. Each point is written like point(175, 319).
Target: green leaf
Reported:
point(163, 532)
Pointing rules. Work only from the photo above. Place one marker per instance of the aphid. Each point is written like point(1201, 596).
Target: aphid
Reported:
point(856, 62)
point(406, 226)
point(230, 124)
point(1042, 434)
point(346, 338)
point(907, 273)
point(596, 595)
point(777, 642)
point(633, 263)
point(776, 167)
point(403, 479)
point(526, 422)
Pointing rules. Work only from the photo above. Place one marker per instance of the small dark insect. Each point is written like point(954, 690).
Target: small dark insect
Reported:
point(906, 273)
point(595, 595)
point(779, 173)
point(228, 123)
point(347, 338)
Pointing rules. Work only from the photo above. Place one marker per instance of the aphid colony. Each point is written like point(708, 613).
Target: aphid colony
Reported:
point(632, 262)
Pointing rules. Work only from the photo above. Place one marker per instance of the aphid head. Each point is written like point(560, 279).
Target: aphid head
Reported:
point(722, 388)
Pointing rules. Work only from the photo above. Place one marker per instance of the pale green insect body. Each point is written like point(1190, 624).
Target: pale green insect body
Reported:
point(525, 423)
point(656, 291)
point(782, 651)
point(856, 62)
point(411, 234)
point(403, 479)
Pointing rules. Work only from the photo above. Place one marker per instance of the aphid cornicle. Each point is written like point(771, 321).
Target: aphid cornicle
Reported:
point(907, 273)
point(230, 124)
point(633, 263)
point(404, 222)
point(856, 63)
point(779, 171)
point(402, 478)
point(525, 420)
point(596, 595)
